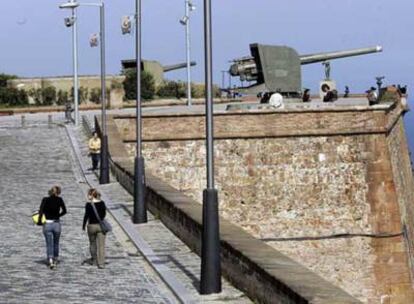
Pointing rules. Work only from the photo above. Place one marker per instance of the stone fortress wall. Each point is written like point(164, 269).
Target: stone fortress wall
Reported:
point(65, 84)
point(330, 188)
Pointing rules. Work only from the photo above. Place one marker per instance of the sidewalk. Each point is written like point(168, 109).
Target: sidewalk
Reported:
point(31, 161)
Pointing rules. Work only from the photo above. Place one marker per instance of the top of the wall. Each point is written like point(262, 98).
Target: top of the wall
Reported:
point(61, 77)
point(266, 122)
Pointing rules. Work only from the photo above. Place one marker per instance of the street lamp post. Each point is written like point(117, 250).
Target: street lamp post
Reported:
point(189, 6)
point(104, 168)
point(72, 22)
point(210, 252)
point(140, 208)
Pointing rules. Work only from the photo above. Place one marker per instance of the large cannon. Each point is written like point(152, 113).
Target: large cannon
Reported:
point(278, 68)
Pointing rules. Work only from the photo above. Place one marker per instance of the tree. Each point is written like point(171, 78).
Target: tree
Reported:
point(147, 85)
point(13, 97)
point(4, 78)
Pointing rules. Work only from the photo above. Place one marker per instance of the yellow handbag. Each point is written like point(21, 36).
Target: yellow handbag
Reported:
point(35, 218)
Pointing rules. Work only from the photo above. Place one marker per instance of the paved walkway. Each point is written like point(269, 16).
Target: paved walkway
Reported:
point(33, 159)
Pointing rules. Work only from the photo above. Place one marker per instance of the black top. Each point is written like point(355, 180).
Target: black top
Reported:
point(51, 207)
point(90, 216)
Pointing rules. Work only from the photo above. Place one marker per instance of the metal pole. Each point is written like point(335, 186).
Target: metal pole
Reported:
point(75, 66)
point(188, 47)
point(210, 252)
point(140, 208)
point(104, 169)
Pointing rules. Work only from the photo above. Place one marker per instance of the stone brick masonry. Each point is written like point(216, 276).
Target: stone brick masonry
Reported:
point(331, 189)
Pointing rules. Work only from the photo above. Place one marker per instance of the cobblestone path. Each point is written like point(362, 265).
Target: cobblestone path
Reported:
point(31, 161)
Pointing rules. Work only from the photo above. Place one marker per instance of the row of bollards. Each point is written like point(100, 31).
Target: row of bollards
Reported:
point(49, 121)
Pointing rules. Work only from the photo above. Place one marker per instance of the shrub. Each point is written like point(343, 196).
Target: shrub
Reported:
point(13, 97)
point(82, 94)
point(48, 96)
point(147, 85)
point(199, 91)
point(62, 98)
point(115, 84)
point(178, 89)
point(4, 78)
point(95, 95)
point(36, 94)
point(172, 89)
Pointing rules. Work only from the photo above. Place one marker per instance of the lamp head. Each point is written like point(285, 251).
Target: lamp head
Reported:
point(126, 25)
point(192, 6)
point(69, 5)
point(69, 21)
point(93, 40)
point(184, 20)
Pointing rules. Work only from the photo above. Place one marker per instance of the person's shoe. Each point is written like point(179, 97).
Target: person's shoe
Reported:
point(89, 261)
point(52, 264)
point(101, 267)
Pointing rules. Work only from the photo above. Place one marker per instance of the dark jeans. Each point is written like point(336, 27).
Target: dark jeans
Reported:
point(95, 160)
point(52, 231)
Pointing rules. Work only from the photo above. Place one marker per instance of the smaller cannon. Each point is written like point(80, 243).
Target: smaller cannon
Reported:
point(154, 67)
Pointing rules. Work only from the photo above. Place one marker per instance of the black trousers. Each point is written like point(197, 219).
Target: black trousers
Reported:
point(95, 160)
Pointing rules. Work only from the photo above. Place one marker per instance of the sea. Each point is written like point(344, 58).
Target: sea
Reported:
point(409, 127)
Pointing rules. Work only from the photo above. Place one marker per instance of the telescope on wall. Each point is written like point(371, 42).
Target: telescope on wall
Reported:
point(278, 68)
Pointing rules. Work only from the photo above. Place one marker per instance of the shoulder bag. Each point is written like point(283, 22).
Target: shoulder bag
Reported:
point(35, 218)
point(105, 226)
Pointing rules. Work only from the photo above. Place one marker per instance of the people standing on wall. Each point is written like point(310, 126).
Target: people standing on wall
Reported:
point(94, 145)
point(53, 208)
point(93, 208)
point(329, 95)
point(306, 96)
point(372, 96)
point(347, 91)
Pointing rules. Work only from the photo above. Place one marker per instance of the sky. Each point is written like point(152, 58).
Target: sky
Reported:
point(35, 41)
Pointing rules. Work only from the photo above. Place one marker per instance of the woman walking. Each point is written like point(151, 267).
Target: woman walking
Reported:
point(53, 207)
point(93, 209)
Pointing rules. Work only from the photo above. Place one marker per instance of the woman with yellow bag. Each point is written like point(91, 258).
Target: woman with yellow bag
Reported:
point(52, 208)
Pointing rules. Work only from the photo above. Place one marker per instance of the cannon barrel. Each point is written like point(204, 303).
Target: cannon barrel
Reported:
point(178, 66)
point(320, 57)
